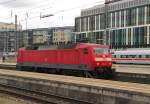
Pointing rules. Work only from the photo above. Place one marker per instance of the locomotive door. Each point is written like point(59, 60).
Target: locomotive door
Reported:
point(84, 58)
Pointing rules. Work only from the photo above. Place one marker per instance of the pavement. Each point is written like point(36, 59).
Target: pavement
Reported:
point(140, 69)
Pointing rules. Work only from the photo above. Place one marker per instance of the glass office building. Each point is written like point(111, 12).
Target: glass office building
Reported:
point(119, 23)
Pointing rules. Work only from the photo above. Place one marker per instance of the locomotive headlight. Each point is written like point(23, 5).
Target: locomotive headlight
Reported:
point(97, 64)
point(108, 59)
point(103, 59)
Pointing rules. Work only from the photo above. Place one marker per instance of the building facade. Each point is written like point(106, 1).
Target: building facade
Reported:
point(119, 23)
point(10, 27)
point(48, 36)
point(10, 39)
point(35, 37)
point(62, 34)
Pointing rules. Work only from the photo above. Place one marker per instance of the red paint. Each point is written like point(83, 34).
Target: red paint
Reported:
point(73, 56)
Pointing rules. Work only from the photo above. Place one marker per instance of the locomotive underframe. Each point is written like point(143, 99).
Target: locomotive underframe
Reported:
point(75, 70)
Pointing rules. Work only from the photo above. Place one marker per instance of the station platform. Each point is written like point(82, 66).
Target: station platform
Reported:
point(7, 63)
point(129, 68)
point(91, 91)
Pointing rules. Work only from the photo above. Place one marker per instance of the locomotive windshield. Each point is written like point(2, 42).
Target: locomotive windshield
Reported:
point(101, 50)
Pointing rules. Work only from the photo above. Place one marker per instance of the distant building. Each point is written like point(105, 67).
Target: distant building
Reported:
point(10, 39)
point(47, 36)
point(35, 37)
point(9, 27)
point(40, 36)
point(119, 23)
point(62, 34)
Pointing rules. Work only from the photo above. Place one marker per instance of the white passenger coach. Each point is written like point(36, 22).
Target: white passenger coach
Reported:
point(135, 56)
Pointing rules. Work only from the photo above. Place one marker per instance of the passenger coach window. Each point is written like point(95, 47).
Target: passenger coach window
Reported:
point(113, 56)
point(85, 51)
point(123, 56)
point(143, 56)
point(147, 56)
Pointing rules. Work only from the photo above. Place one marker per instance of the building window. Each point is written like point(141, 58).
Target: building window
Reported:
point(93, 22)
point(90, 23)
point(140, 37)
point(128, 17)
point(148, 14)
point(135, 37)
point(129, 37)
point(117, 19)
point(87, 23)
point(149, 37)
point(109, 20)
point(145, 36)
point(113, 19)
point(82, 24)
point(122, 18)
point(77, 24)
point(102, 21)
point(141, 15)
point(133, 16)
point(97, 22)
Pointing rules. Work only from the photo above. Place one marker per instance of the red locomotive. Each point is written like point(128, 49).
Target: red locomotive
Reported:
point(84, 59)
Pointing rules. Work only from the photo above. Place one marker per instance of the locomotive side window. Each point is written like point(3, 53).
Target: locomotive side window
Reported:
point(85, 51)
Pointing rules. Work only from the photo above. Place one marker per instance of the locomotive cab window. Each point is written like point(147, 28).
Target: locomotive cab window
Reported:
point(85, 51)
point(101, 50)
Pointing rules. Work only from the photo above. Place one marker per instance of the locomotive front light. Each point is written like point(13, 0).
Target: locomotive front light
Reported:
point(110, 63)
point(108, 59)
point(103, 59)
point(97, 64)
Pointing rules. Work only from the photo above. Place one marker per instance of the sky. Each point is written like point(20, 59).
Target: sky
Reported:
point(29, 11)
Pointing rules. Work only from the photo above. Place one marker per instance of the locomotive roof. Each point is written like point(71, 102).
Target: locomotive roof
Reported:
point(68, 46)
point(84, 45)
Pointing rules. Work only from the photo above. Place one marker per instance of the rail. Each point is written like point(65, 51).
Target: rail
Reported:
point(119, 76)
point(36, 96)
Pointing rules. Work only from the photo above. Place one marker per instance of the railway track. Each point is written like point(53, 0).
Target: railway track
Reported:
point(119, 76)
point(38, 94)
point(37, 97)
point(84, 81)
point(8, 66)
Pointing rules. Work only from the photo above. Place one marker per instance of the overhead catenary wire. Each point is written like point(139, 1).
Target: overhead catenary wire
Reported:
point(34, 8)
point(47, 8)
point(64, 10)
point(24, 11)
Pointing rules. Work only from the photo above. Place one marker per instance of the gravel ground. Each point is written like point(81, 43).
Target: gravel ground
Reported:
point(8, 99)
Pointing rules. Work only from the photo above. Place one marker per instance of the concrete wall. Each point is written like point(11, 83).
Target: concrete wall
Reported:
point(86, 93)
